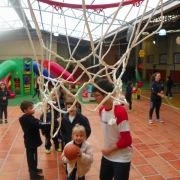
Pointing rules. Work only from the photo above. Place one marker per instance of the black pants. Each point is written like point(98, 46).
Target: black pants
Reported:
point(110, 169)
point(62, 140)
point(3, 109)
point(130, 102)
point(31, 154)
point(155, 103)
point(168, 92)
point(48, 140)
point(36, 92)
point(73, 176)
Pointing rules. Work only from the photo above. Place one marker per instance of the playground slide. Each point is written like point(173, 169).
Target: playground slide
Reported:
point(53, 67)
point(5, 68)
point(59, 70)
point(35, 69)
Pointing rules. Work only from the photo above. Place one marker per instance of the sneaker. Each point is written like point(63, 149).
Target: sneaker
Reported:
point(48, 151)
point(159, 120)
point(6, 121)
point(39, 170)
point(38, 177)
point(150, 121)
point(171, 98)
point(58, 149)
point(130, 110)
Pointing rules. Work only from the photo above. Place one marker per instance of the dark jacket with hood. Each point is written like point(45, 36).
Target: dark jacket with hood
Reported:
point(30, 126)
point(128, 92)
point(67, 126)
point(170, 84)
point(4, 93)
point(48, 120)
point(156, 87)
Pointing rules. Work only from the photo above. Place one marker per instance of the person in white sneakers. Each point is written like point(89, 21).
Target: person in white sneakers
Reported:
point(157, 90)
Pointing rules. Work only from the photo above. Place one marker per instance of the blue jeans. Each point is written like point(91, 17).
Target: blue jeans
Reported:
point(110, 169)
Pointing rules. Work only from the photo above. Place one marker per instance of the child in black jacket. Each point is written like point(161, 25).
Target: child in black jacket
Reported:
point(169, 85)
point(46, 132)
point(4, 96)
point(36, 92)
point(129, 94)
point(72, 118)
point(30, 126)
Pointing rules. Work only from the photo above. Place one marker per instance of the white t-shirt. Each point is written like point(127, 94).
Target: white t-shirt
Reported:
point(118, 134)
point(71, 118)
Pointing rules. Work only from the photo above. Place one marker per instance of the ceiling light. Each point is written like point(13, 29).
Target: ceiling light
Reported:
point(162, 32)
point(178, 40)
point(145, 33)
point(154, 42)
point(55, 34)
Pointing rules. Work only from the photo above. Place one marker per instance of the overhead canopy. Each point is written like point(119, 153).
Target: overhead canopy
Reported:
point(65, 20)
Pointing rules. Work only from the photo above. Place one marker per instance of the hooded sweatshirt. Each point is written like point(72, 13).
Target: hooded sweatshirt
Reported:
point(67, 126)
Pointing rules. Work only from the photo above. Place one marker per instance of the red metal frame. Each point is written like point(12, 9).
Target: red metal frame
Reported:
point(95, 6)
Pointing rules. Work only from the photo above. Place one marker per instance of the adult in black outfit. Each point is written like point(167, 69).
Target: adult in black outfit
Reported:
point(157, 89)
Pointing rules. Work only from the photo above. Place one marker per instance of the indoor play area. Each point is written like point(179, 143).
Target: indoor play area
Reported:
point(59, 43)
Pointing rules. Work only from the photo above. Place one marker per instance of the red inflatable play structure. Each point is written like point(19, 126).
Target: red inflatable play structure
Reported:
point(57, 70)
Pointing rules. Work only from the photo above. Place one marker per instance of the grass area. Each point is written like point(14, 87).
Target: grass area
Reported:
point(19, 98)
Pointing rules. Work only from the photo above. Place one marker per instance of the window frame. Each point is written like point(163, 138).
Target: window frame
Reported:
point(160, 58)
point(149, 58)
point(174, 54)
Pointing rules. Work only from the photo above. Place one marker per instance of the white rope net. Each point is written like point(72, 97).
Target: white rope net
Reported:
point(105, 70)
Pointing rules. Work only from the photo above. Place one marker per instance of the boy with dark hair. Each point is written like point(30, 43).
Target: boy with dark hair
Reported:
point(117, 152)
point(30, 126)
point(46, 132)
point(129, 94)
point(72, 118)
point(73, 91)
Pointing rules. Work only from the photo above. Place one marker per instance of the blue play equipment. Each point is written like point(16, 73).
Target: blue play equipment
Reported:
point(35, 69)
point(90, 88)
